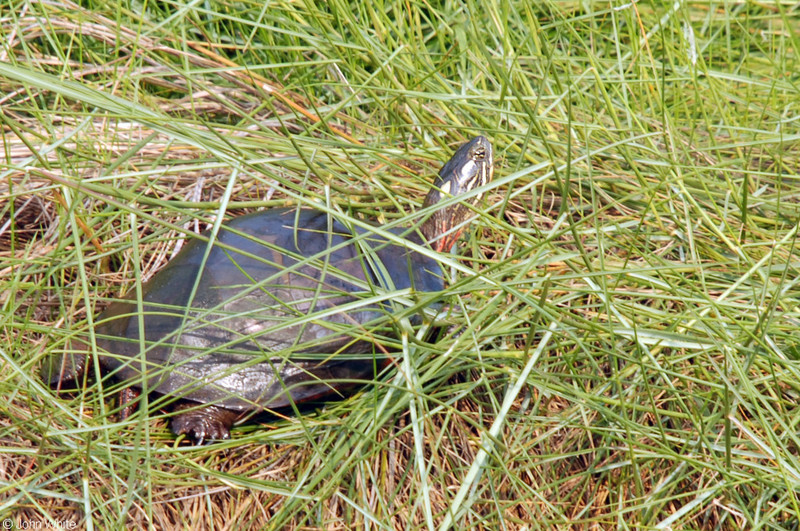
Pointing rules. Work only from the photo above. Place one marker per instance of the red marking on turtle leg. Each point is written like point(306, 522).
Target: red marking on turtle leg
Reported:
point(203, 423)
point(127, 402)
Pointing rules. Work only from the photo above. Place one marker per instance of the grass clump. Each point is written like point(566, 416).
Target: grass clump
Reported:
point(628, 351)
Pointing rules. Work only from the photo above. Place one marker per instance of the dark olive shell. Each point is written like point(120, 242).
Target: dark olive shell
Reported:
point(288, 307)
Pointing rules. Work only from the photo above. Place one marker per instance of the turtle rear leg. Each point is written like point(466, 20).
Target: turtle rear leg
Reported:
point(61, 371)
point(203, 423)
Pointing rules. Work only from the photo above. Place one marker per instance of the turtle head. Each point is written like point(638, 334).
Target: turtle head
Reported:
point(470, 167)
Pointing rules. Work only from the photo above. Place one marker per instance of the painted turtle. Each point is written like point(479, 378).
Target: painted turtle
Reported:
point(285, 306)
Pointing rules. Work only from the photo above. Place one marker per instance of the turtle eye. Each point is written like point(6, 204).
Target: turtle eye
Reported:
point(480, 153)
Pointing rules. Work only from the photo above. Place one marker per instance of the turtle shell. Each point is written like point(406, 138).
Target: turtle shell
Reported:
point(286, 306)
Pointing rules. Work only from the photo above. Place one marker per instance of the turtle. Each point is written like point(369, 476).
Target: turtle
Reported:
point(283, 306)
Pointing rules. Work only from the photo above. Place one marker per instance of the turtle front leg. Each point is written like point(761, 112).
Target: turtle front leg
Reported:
point(203, 423)
point(127, 402)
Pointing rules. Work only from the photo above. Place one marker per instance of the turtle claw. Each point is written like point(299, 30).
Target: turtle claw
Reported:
point(210, 423)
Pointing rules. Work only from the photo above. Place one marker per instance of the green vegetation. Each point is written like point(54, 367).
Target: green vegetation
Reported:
point(627, 352)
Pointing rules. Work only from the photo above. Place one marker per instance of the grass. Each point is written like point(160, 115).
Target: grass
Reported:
point(629, 288)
